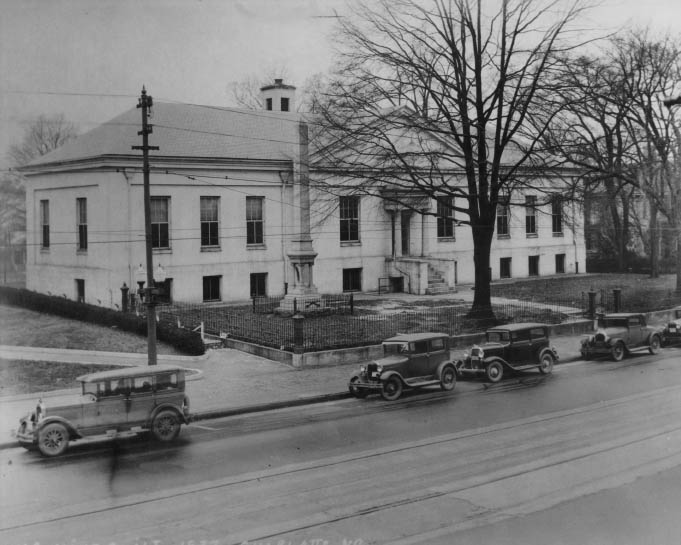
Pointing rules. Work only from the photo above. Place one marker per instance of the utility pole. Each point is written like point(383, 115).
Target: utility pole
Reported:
point(145, 103)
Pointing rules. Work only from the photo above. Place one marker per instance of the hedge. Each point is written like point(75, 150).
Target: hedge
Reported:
point(186, 341)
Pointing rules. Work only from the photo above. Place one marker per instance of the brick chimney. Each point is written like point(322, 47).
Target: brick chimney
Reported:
point(278, 97)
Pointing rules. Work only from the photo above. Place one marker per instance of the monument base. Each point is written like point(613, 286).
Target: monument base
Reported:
point(304, 303)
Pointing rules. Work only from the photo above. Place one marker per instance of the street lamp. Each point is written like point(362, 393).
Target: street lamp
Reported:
point(140, 278)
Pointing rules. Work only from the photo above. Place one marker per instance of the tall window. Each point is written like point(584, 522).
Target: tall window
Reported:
point(211, 288)
point(284, 104)
point(557, 214)
point(349, 219)
point(159, 222)
point(259, 285)
point(445, 217)
point(531, 214)
point(45, 224)
point(533, 265)
point(209, 221)
point(505, 267)
point(352, 279)
point(81, 220)
point(502, 218)
point(254, 220)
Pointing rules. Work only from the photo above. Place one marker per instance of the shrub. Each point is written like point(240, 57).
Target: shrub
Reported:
point(184, 340)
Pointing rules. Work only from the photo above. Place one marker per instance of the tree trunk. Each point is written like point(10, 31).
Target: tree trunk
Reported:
point(677, 232)
point(654, 242)
point(482, 301)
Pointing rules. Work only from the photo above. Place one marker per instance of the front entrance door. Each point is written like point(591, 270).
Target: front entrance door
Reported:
point(405, 230)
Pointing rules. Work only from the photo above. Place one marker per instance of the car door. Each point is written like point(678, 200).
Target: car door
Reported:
point(142, 400)
point(418, 359)
point(110, 410)
point(437, 354)
point(521, 348)
point(635, 331)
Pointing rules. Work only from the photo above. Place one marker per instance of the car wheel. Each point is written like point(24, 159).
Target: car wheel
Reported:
point(617, 351)
point(654, 346)
point(166, 426)
point(53, 439)
point(495, 371)
point(448, 378)
point(392, 388)
point(586, 355)
point(546, 364)
point(360, 393)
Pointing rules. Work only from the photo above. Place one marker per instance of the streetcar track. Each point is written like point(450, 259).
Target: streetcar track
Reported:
point(346, 459)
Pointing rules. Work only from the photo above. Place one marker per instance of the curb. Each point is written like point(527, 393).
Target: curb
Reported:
point(246, 409)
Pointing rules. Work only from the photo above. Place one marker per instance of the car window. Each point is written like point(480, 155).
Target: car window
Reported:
point(678, 313)
point(420, 347)
point(166, 381)
point(522, 335)
point(634, 320)
point(141, 384)
point(437, 344)
point(110, 388)
point(497, 336)
point(395, 348)
point(537, 333)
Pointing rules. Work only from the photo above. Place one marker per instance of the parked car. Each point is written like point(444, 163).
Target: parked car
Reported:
point(512, 347)
point(619, 334)
point(409, 361)
point(133, 398)
point(672, 331)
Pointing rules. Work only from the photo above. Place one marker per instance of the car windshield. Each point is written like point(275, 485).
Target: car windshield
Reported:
point(497, 336)
point(90, 388)
point(395, 348)
point(612, 322)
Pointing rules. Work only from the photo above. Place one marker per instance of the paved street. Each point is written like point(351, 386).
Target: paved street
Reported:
point(470, 466)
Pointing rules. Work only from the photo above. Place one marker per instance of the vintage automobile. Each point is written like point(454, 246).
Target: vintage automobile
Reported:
point(121, 400)
point(672, 331)
point(619, 334)
point(409, 361)
point(512, 347)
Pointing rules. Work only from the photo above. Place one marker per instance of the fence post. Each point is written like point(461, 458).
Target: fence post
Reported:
point(352, 304)
point(617, 295)
point(298, 334)
point(203, 338)
point(592, 303)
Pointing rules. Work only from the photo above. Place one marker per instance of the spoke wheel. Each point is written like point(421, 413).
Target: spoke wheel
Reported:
point(654, 346)
point(166, 426)
point(448, 378)
point(617, 351)
point(546, 364)
point(53, 439)
point(360, 393)
point(392, 389)
point(495, 371)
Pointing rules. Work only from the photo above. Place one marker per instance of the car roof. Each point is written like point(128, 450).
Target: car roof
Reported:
point(128, 372)
point(622, 315)
point(517, 327)
point(411, 337)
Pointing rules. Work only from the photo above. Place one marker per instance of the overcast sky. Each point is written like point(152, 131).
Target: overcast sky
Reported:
point(88, 59)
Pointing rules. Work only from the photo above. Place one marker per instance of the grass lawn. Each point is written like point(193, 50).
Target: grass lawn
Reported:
point(27, 377)
point(21, 327)
point(640, 293)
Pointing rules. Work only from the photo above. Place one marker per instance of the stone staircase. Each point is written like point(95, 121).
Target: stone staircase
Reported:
point(436, 283)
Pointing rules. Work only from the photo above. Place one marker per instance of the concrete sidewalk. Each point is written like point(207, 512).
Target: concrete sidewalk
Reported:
point(224, 381)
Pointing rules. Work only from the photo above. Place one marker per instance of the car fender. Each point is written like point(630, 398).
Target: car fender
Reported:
point(546, 349)
point(387, 374)
point(164, 407)
point(500, 360)
point(652, 334)
point(51, 419)
point(440, 367)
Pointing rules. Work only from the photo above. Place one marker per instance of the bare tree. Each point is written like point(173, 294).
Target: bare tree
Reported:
point(42, 136)
point(439, 98)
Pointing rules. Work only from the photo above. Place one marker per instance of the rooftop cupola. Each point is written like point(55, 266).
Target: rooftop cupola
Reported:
point(278, 97)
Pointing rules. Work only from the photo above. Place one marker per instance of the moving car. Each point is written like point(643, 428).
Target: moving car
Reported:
point(619, 334)
point(129, 399)
point(672, 331)
point(409, 361)
point(511, 347)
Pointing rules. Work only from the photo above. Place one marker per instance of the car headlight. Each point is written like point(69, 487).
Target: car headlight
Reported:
point(362, 369)
point(379, 368)
point(465, 354)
